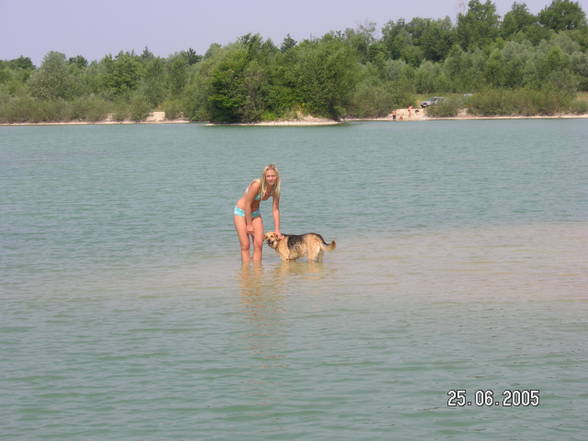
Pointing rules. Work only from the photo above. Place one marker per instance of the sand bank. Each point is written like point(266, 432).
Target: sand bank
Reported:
point(301, 122)
point(421, 115)
point(305, 121)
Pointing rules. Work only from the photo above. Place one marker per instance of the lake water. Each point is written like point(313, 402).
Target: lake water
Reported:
point(461, 263)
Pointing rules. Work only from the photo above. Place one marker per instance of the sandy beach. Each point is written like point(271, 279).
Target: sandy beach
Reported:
point(421, 115)
point(402, 115)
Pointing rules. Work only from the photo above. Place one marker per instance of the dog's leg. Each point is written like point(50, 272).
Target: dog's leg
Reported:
point(313, 253)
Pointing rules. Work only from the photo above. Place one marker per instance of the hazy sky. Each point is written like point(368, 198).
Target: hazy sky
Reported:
point(99, 27)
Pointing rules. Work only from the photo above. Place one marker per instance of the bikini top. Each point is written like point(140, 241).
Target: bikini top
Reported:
point(257, 196)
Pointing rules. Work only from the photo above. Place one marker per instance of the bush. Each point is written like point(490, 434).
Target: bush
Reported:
point(269, 116)
point(518, 102)
point(27, 109)
point(444, 109)
point(121, 112)
point(172, 109)
point(88, 108)
point(579, 107)
point(139, 108)
point(371, 101)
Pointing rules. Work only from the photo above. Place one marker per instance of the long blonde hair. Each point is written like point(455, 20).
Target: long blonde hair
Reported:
point(263, 182)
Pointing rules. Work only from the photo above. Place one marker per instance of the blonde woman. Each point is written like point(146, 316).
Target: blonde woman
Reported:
point(247, 217)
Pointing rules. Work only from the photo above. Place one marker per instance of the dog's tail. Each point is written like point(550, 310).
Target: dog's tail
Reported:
point(327, 246)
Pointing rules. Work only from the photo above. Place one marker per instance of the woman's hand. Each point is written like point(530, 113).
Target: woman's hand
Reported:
point(280, 235)
point(249, 228)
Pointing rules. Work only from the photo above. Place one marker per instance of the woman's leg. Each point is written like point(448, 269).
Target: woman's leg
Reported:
point(241, 228)
point(257, 238)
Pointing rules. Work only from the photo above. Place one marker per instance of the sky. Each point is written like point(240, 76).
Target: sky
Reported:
point(96, 28)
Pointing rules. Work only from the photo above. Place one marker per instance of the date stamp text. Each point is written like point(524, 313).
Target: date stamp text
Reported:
point(487, 398)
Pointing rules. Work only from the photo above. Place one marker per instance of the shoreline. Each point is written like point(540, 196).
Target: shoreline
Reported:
point(94, 123)
point(309, 121)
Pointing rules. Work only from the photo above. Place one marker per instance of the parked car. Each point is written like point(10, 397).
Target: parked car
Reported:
point(432, 101)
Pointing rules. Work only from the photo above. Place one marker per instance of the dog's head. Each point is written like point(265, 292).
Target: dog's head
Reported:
point(271, 239)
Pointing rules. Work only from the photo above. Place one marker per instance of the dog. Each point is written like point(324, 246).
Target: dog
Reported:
point(294, 246)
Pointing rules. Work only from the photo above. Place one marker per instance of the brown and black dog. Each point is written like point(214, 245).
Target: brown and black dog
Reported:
point(294, 246)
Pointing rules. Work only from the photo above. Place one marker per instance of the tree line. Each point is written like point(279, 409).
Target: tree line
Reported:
point(519, 63)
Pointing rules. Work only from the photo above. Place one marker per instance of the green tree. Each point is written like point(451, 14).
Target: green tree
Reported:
point(78, 61)
point(517, 19)
point(563, 15)
point(154, 81)
point(121, 75)
point(191, 56)
point(22, 63)
point(226, 96)
point(495, 69)
point(5, 72)
point(436, 39)
point(478, 26)
point(327, 75)
point(579, 65)
point(255, 91)
point(146, 55)
point(288, 43)
point(430, 78)
point(195, 97)
point(283, 95)
point(240, 81)
point(177, 70)
point(553, 68)
point(53, 79)
point(361, 40)
point(515, 56)
point(395, 37)
point(465, 69)
point(372, 97)
point(14, 75)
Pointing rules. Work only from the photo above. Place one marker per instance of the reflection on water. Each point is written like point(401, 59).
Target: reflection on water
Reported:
point(259, 284)
point(306, 270)
point(262, 306)
point(264, 291)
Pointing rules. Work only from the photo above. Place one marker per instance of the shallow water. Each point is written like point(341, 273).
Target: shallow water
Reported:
point(460, 264)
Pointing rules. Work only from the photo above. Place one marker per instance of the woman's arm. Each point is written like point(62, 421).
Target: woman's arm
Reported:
point(249, 198)
point(276, 213)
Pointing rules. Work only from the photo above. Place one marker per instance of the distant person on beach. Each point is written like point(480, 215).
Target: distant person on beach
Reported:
point(247, 217)
point(394, 115)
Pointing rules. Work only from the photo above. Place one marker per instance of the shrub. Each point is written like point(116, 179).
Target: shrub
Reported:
point(444, 109)
point(518, 102)
point(172, 109)
point(27, 109)
point(579, 107)
point(88, 108)
point(269, 116)
point(121, 112)
point(139, 108)
point(371, 100)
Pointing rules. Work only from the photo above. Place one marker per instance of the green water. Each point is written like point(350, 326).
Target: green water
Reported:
point(461, 264)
